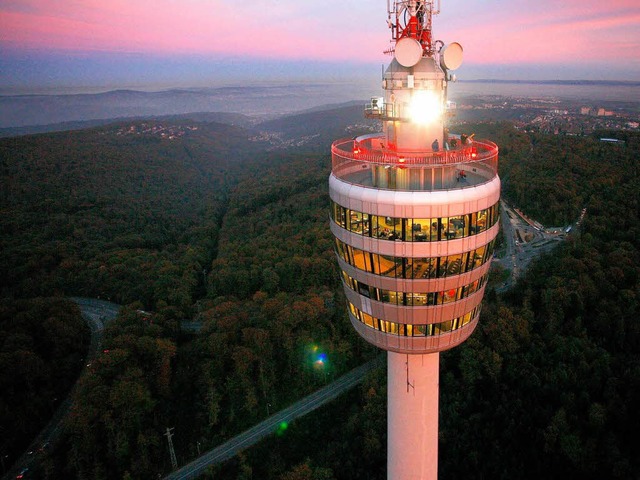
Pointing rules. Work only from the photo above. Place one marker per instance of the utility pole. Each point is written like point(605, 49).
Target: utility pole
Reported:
point(174, 461)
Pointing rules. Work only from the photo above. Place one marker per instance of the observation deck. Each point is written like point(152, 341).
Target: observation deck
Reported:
point(367, 162)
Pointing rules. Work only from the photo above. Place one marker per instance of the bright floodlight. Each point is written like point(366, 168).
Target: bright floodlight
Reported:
point(425, 107)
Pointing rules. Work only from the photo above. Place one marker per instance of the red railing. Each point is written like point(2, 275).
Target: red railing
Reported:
point(353, 150)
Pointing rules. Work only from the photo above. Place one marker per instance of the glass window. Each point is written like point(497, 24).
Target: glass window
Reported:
point(414, 268)
point(409, 230)
point(355, 222)
point(413, 298)
point(481, 222)
point(458, 226)
point(396, 298)
point(391, 266)
point(363, 289)
point(413, 330)
point(359, 258)
point(445, 326)
point(473, 223)
point(408, 267)
point(375, 227)
point(366, 224)
point(415, 229)
point(420, 229)
point(395, 225)
point(443, 263)
point(338, 249)
point(493, 216)
point(417, 299)
point(454, 264)
point(449, 295)
point(375, 263)
point(389, 228)
point(488, 252)
point(422, 268)
point(392, 328)
point(367, 319)
point(340, 215)
point(478, 257)
point(385, 296)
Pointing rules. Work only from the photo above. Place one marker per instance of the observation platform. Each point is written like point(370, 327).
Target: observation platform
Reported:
point(365, 161)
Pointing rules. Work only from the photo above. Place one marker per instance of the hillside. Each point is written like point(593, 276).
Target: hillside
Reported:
point(190, 220)
point(316, 130)
point(79, 206)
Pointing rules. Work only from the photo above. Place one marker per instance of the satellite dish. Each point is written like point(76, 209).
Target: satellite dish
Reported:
point(451, 56)
point(408, 51)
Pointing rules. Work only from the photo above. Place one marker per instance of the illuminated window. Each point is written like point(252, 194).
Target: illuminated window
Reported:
point(422, 330)
point(414, 229)
point(414, 267)
point(414, 299)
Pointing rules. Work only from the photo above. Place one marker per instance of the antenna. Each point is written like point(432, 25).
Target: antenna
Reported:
point(412, 19)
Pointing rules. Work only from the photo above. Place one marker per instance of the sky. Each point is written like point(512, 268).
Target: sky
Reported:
point(161, 43)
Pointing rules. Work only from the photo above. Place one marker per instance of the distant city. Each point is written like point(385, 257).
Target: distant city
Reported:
point(551, 115)
point(597, 104)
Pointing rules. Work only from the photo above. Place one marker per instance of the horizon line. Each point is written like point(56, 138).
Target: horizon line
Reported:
point(6, 91)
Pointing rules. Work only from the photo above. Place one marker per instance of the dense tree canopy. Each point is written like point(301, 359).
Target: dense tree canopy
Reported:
point(118, 212)
point(42, 345)
point(206, 226)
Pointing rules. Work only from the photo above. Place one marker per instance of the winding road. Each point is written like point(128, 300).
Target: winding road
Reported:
point(97, 314)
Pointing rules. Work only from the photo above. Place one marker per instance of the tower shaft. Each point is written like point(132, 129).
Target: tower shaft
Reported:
point(412, 416)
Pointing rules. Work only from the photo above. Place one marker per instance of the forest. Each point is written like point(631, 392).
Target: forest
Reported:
point(215, 227)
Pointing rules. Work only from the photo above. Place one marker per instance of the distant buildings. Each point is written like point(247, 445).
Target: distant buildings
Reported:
point(596, 112)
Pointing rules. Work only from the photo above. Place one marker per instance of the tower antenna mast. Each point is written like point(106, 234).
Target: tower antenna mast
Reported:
point(413, 19)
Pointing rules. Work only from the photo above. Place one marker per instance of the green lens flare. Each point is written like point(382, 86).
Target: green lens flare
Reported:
point(281, 428)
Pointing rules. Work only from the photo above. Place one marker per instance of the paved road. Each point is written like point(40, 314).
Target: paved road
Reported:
point(270, 425)
point(97, 313)
point(518, 252)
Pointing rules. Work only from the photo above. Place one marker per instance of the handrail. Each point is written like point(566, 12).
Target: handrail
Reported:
point(477, 151)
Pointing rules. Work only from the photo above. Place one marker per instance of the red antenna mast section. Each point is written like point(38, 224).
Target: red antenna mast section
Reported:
point(412, 19)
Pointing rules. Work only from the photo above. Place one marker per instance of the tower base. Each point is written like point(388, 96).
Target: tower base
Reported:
point(412, 416)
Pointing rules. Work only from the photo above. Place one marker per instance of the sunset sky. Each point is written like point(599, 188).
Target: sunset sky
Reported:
point(183, 42)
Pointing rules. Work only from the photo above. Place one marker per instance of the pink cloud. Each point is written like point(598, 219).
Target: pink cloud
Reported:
point(570, 32)
point(518, 32)
point(175, 27)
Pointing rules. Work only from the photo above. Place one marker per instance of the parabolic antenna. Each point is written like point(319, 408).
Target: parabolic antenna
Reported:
point(451, 56)
point(408, 51)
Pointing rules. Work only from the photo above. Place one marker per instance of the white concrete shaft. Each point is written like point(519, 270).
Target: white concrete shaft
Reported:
point(412, 416)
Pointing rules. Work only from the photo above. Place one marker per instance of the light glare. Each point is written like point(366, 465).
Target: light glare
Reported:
point(424, 107)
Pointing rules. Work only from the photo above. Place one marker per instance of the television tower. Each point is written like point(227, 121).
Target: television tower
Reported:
point(414, 212)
